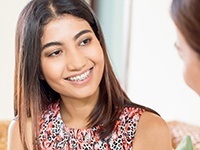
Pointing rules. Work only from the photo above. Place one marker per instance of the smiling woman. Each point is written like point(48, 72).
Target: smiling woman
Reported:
point(66, 93)
point(73, 65)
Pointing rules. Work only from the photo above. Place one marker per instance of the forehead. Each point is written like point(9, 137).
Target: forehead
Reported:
point(66, 19)
point(65, 24)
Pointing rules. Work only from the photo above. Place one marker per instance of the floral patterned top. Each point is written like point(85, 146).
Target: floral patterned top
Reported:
point(54, 135)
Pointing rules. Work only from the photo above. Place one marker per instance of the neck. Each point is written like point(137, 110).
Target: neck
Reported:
point(75, 112)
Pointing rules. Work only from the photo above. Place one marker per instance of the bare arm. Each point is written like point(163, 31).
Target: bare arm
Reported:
point(152, 133)
point(14, 142)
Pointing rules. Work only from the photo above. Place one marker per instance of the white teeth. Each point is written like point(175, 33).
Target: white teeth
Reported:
point(80, 78)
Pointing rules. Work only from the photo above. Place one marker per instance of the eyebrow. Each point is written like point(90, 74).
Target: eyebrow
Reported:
point(81, 33)
point(56, 43)
point(52, 44)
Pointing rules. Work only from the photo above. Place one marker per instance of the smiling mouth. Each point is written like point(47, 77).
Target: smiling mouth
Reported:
point(80, 77)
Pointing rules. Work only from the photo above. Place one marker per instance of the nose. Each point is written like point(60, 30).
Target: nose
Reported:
point(76, 60)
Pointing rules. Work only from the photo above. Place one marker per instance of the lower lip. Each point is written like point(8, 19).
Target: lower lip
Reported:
point(86, 80)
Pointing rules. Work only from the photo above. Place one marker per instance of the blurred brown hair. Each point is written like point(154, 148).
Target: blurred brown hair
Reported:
point(186, 16)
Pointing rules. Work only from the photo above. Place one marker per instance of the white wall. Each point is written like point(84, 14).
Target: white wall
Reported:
point(155, 75)
point(9, 11)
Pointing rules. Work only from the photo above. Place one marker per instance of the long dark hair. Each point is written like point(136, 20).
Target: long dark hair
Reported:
point(33, 95)
point(186, 16)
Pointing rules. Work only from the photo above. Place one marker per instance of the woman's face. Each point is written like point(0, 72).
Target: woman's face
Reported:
point(72, 59)
point(191, 62)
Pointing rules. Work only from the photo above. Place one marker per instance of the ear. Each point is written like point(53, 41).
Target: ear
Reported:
point(41, 77)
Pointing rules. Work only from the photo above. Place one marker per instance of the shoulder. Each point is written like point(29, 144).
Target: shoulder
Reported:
point(14, 140)
point(152, 120)
point(152, 133)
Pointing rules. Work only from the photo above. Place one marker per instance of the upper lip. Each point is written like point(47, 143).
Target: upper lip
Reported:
point(78, 74)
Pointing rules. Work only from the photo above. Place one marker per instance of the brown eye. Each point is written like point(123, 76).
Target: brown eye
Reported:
point(55, 53)
point(85, 42)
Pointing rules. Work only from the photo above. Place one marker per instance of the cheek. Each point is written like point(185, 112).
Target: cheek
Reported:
point(51, 70)
point(187, 75)
point(180, 53)
point(191, 69)
point(192, 76)
point(96, 55)
point(100, 58)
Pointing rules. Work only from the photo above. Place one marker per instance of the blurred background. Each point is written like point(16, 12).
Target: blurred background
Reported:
point(140, 37)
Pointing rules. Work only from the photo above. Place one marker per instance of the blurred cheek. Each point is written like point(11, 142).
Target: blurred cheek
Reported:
point(180, 53)
point(191, 77)
point(187, 76)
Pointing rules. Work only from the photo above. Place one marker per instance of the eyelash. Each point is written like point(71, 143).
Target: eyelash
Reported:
point(55, 53)
point(85, 42)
